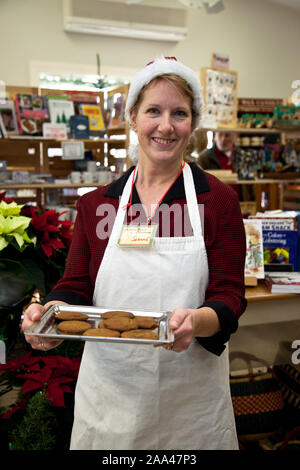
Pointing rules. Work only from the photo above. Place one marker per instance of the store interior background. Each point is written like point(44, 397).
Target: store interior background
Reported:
point(262, 39)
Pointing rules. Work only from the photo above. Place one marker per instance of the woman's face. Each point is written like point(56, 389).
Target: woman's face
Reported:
point(163, 122)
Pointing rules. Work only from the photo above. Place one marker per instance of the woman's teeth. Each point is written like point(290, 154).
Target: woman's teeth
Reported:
point(163, 141)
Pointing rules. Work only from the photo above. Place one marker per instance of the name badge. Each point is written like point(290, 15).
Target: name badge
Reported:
point(137, 235)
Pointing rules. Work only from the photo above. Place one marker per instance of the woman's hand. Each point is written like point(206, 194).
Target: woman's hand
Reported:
point(32, 314)
point(189, 322)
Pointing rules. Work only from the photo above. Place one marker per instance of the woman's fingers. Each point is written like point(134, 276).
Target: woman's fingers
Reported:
point(32, 314)
point(182, 326)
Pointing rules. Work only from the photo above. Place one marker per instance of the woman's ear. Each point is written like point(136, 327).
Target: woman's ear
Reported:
point(133, 120)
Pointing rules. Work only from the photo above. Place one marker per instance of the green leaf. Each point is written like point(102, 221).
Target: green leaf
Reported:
point(11, 208)
point(3, 243)
point(35, 274)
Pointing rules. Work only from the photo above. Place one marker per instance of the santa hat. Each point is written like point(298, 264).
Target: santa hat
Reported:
point(154, 69)
point(159, 67)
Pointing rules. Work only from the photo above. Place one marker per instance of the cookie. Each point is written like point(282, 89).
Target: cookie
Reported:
point(120, 323)
point(102, 332)
point(101, 324)
point(139, 334)
point(71, 316)
point(112, 314)
point(146, 322)
point(70, 327)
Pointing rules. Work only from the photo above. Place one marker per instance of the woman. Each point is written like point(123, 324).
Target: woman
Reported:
point(136, 396)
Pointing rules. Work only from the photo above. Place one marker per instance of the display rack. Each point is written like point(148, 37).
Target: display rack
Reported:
point(32, 154)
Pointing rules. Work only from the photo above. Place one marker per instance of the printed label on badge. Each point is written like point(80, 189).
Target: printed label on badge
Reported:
point(137, 235)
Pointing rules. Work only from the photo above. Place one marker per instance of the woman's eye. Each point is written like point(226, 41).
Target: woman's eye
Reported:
point(180, 113)
point(153, 110)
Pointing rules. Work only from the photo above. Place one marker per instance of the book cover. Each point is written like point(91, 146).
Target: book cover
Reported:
point(254, 264)
point(55, 131)
point(282, 221)
point(32, 112)
point(79, 127)
point(82, 96)
point(60, 111)
point(280, 247)
point(9, 117)
point(95, 116)
point(284, 282)
point(116, 109)
point(3, 133)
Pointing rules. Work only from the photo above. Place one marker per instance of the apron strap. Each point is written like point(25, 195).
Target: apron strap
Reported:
point(191, 198)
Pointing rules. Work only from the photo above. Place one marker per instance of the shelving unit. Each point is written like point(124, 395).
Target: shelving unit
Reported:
point(32, 154)
point(276, 190)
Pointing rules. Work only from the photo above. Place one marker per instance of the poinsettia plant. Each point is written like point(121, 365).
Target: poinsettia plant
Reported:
point(34, 243)
point(29, 377)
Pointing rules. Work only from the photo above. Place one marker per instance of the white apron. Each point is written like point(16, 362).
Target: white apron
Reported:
point(137, 397)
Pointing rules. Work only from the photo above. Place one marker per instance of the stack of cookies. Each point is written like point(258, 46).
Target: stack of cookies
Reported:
point(113, 324)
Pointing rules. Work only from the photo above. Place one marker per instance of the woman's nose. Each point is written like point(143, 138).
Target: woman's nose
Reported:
point(165, 123)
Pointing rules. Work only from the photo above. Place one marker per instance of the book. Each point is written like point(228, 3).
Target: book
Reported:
point(60, 111)
point(281, 220)
point(3, 133)
point(9, 117)
point(82, 96)
point(79, 127)
point(280, 248)
point(276, 221)
point(95, 116)
point(116, 109)
point(55, 131)
point(254, 263)
point(32, 112)
point(283, 282)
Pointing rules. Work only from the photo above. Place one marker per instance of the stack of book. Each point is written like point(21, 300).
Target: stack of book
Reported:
point(283, 282)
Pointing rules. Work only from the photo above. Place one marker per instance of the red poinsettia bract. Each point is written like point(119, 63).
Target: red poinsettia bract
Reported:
point(52, 233)
point(50, 374)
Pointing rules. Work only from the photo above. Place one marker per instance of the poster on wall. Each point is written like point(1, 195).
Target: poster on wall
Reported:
point(220, 97)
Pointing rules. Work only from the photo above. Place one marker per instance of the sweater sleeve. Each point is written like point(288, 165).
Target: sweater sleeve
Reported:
point(75, 285)
point(226, 249)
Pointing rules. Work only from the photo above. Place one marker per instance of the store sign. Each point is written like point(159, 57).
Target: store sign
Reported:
point(220, 61)
point(72, 150)
point(258, 105)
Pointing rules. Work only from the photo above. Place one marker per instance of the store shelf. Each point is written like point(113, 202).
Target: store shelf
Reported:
point(261, 293)
point(243, 130)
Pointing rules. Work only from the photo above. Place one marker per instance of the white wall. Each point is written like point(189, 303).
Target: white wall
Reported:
point(261, 38)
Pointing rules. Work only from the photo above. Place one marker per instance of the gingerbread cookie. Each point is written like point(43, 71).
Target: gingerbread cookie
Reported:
point(72, 316)
point(73, 327)
point(146, 322)
point(102, 332)
point(120, 323)
point(112, 314)
point(140, 334)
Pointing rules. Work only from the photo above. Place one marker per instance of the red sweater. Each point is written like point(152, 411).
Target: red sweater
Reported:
point(224, 237)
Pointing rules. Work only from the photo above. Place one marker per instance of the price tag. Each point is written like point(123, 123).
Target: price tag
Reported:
point(137, 235)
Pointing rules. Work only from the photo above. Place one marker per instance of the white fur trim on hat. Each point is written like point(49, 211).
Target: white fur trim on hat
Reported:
point(158, 67)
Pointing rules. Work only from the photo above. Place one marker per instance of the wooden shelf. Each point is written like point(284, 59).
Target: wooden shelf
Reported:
point(261, 293)
point(50, 185)
point(243, 130)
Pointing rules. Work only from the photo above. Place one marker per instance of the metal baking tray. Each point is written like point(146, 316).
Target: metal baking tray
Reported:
point(46, 327)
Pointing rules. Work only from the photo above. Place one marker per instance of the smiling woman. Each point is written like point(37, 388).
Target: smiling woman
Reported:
point(175, 397)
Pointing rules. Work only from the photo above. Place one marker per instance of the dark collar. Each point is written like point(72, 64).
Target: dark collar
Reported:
point(176, 191)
